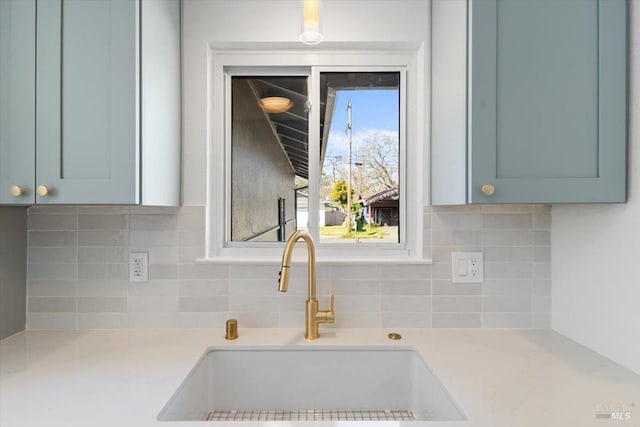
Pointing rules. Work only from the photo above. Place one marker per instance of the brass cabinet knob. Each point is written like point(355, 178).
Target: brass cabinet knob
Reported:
point(43, 190)
point(17, 191)
point(488, 189)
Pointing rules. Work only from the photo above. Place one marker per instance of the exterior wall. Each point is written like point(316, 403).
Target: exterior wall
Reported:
point(261, 172)
point(78, 274)
point(595, 289)
point(13, 271)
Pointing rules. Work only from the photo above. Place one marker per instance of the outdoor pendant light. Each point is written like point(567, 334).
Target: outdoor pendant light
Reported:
point(311, 33)
point(275, 104)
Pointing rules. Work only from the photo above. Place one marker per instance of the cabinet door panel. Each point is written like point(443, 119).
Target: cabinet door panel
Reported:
point(87, 101)
point(548, 101)
point(17, 99)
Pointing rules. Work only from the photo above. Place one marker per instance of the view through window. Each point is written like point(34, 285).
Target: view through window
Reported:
point(359, 143)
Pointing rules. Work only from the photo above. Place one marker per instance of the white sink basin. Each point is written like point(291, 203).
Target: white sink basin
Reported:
point(285, 382)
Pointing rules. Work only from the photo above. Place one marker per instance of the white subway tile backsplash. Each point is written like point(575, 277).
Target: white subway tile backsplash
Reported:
point(51, 288)
point(89, 321)
point(103, 222)
point(102, 305)
point(153, 238)
point(51, 321)
point(406, 287)
point(102, 288)
point(507, 237)
point(542, 271)
point(153, 304)
point(265, 287)
point(52, 238)
point(206, 287)
point(406, 319)
point(456, 238)
point(103, 210)
point(103, 238)
point(163, 272)
point(358, 319)
point(203, 271)
point(255, 319)
point(51, 304)
point(103, 271)
point(455, 304)
point(541, 303)
point(357, 303)
point(542, 287)
point(406, 271)
point(513, 304)
point(355, 272)
point(356, 287)
point(507, 320)
point(456, 320)
point(541, 238)
point(506, 221)
point(507, 287)
point(78, 274)
point(542, 320)
point(154, 222)
point(155, 288)
point(446, 287)
point(254, 303)
point(408, 303)
point(52, 271)
point(159, 254)
point(102, 255)
point(204, 304)
point(52, 255)
point(191, 237)
point(53, 222)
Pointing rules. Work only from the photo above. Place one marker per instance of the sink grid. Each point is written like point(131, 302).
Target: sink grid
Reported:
point(312, 415)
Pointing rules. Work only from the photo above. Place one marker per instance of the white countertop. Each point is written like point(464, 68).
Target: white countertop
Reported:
point(124, 378)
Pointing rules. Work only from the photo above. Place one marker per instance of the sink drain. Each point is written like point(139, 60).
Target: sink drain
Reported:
point(312, 415)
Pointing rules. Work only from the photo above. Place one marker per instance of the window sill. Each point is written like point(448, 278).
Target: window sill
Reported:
point(319, 261)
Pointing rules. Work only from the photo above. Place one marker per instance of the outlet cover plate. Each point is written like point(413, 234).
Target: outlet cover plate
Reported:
point(138, 267)
point(467, 267)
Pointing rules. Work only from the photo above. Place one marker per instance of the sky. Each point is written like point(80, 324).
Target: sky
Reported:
point(370, 110)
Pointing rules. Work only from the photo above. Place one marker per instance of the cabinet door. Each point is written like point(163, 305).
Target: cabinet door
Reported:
point(17, 99)
point(86, 115)
point(548, 101)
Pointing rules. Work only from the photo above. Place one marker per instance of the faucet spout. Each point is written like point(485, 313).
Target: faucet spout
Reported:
point(313, 316)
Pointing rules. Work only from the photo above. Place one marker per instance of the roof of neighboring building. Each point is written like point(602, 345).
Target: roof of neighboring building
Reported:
point(389, 194)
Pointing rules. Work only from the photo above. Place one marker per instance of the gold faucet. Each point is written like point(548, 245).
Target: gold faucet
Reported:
point(313, 316)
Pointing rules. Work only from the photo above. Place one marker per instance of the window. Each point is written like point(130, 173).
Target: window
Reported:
point(303, 145)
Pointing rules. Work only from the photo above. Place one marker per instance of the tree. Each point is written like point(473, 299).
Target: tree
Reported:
point(339, 192)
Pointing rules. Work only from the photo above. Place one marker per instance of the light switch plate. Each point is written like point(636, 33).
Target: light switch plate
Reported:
point(467, 267)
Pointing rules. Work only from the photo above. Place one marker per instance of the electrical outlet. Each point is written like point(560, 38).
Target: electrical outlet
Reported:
point(138, 267)
point(467, 267)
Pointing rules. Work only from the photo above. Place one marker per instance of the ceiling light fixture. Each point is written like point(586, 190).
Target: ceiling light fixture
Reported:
point(311, 33)
point(275, 104)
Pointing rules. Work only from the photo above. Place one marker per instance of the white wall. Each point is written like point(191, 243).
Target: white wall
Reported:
point(274, 22)
point(595, 265)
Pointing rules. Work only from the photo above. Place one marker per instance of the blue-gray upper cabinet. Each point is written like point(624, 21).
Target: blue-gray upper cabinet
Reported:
point(529, 101)
point(17, 101)
point(108, 102)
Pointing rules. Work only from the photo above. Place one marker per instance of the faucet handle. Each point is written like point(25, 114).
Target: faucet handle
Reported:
point(331, 301)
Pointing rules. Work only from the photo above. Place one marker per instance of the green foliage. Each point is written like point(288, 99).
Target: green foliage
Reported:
point(339, 192)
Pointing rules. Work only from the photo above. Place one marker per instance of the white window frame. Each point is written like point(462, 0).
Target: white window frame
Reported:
point(413, 174)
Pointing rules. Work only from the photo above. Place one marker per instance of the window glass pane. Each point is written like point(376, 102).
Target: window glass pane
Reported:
point(360, 149)
point(269, 157)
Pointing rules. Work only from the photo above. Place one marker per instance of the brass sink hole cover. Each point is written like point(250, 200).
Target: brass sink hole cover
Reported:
point(394, 336)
